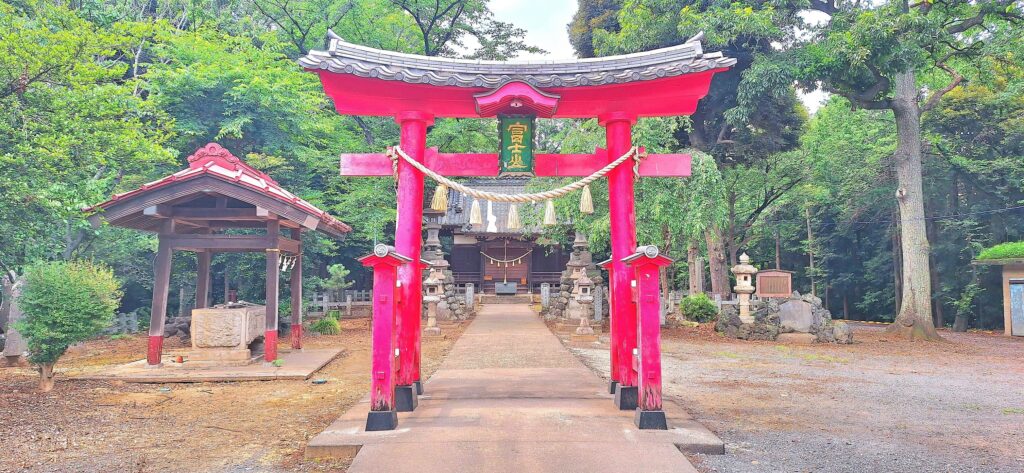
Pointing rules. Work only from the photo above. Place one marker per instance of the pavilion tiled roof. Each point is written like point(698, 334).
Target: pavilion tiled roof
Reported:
point(347, 58)
point(213, 160)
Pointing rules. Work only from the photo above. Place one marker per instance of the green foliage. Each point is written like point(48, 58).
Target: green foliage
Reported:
point(1003, 251)
point(338, 279)
point(699, 308)
point(334, 314)
point(65, 303)
point(277, 363)
point(326, 326)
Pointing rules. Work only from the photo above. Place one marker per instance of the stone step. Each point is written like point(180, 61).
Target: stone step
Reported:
point(517, 299)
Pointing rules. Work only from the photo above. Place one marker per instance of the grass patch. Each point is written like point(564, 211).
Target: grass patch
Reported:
point(729, 354)
point(1013, 249)
point(791, 353)
point(120, 336)
point(1013, 410)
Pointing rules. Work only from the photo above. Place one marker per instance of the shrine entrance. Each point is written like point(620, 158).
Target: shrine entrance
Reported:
point(415, 90)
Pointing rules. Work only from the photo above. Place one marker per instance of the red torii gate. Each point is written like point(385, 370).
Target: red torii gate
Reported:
point(417, 89)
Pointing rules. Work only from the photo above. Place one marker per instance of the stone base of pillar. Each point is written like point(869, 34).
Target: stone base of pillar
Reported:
point(406, 399)
point(434, 331)
point(611, 386)
point(626, 397)
point(381, 420)
point(419, 387)
point(650, 420)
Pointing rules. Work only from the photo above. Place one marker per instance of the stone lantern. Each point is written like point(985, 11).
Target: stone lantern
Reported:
point(583, 293)
point(432, 291)
point(744, 286)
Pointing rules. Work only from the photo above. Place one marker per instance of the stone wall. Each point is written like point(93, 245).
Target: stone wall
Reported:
point(797, 314)
point(453, 304)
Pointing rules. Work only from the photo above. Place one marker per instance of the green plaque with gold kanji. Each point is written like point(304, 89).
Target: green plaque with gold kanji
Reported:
point(516, 156)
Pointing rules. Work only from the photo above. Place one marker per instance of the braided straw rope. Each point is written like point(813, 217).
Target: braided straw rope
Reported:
point(396, 153)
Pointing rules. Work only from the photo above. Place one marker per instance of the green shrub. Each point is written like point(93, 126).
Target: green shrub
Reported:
point(334, 314)
point(1009, 250)
point(326, 326)
point(698, 307)
point(64, 303)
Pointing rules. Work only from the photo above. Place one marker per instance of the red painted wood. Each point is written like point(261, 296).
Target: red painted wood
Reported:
point(270, 345)
point(668, 96)
point(408, 239)
point(623, 243)
point(447, 164)
point(297, 336)
point(516, 98)
point(648, 363)
point(486, 164)
point(383, 369)
point(155, 350)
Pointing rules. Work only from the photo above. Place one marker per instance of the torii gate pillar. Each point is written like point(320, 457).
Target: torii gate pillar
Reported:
point(408, 241)
point(623, 324)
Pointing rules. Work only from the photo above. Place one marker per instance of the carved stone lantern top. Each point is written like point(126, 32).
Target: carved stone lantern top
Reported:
point(744, 275)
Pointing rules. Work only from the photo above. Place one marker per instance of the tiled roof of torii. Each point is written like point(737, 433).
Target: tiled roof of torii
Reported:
point(347, 58)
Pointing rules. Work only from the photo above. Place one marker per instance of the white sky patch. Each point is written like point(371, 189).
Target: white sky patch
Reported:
point(545, 22)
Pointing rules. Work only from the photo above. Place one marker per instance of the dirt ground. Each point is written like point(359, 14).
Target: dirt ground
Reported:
point(876, 405)
point(97, 426)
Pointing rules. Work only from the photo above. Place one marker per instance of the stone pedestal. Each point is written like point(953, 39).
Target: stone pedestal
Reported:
point(223, 334)
point(431, 329)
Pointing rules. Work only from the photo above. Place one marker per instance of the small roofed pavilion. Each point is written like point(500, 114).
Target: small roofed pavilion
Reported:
point(192, 209)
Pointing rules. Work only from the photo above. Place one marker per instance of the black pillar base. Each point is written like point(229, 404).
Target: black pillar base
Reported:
point(626, 397)
point(650, 420)
point(405, 398)
point(381, 420)
point(419, 387)
point(611, 386)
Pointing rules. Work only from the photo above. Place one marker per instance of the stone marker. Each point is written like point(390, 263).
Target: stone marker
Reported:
point(545, 295)
point(16, 345)
point(796, 316)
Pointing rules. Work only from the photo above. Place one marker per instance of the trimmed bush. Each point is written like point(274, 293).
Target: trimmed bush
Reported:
point(64, 303)
point(326, 326)
point(698, 307)
point(1014, 249)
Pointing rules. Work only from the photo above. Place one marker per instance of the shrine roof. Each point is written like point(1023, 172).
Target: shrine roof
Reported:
point(245, 184)
point(460, 205)
point(347, 58)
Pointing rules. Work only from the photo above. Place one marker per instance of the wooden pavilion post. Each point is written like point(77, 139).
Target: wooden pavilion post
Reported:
point(646, 265)
point(383, 371)
point(203, 278)
point(623, 323)
point(273, 280)
point(296, 293)
point(408, 241)
point(161, 286)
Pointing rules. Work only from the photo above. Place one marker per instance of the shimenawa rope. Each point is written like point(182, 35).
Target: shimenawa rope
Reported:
point(396, 153)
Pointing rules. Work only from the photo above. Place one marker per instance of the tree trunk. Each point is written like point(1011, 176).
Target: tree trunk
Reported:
point(716, 263)
point(914, 320)
point(46, 377)
point(778, 250)
point(696, 268)
point(810, 251)
point(5, 304)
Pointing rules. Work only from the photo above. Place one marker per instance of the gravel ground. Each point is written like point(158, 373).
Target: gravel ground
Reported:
point(260, 426)
point(877, 405)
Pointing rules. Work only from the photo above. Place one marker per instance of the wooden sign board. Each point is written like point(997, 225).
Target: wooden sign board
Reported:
point(774, 283)
point(516, 156)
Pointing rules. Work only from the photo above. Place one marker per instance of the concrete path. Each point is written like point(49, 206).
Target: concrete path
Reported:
point(510, 398)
